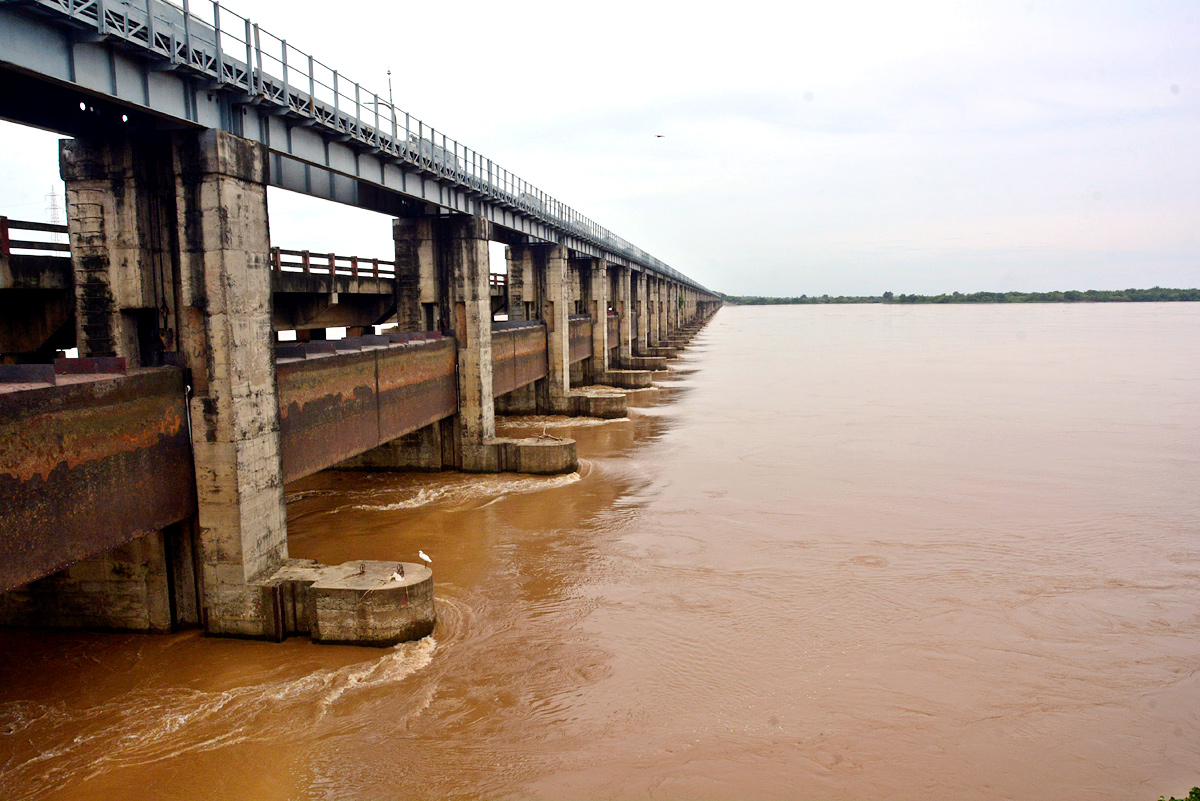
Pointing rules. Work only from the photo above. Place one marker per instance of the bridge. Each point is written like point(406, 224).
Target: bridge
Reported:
point(141, 484)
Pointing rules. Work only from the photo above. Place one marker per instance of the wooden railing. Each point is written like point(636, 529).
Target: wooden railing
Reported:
point(8, 244)
point(304, 261)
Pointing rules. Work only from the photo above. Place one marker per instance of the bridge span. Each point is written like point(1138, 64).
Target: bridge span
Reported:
point(141, 484)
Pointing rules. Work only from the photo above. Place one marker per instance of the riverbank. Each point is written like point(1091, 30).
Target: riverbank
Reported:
point(1152, 295)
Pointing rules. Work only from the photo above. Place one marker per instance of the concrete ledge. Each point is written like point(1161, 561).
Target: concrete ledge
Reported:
point(629, 379)
point(665, 352)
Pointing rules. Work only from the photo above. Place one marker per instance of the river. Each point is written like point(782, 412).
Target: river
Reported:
point(838, 552)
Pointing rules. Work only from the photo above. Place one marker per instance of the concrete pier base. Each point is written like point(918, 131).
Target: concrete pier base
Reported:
point(355, 603)
point(591, 401)
point(629, 379)
point(534, 455)
point(644, 363)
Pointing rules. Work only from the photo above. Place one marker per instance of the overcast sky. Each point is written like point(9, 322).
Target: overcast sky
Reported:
point(806, 148)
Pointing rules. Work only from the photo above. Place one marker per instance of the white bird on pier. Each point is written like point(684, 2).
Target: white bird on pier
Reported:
point(424, 557)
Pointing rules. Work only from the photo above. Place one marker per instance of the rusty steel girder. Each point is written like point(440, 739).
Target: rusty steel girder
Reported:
point(88, 465)
point(518, 357)
point(579, 338)
point(338, 405)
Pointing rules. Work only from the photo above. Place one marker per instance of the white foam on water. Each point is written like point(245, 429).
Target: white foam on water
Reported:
point(558, 421)
point(468, 493)
point(150, 725)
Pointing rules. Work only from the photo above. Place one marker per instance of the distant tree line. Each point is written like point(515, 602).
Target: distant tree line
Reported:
point(1071, 296)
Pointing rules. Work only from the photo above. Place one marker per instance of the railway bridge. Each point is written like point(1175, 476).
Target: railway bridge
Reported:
point(141, 484)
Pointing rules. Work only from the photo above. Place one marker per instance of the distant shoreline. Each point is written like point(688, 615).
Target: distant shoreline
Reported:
point(1153, 295)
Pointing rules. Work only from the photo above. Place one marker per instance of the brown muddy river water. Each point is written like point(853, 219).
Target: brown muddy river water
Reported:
point(853, 552)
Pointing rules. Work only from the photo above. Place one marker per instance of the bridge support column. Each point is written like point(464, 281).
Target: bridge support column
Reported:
point(625, 309)
point(598, 309)
point(226, 334)
point(521, 284)
point(662, 314)
point(416, 276)
point(652, 332)
point(626, 373)
point(643, 314)
point(118, 197)
point(672, 311)
point(554, 309)
point(464, 241)
point(643, 357)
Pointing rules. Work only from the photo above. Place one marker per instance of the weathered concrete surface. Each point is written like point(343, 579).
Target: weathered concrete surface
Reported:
point(422, 450)
point(644, 363)
point(539, 456)
point(598, 284)
point(554, 307)
point(225, 294)
point(88, 465)
point(339, 405)
point(625, 310)
point(111, 189)
point(125, 589)
point(372, 608)
point(354, 603)
point(596, 401)
point(629, 379)
point(522, 288)
point(463, 245)
point(641, 295)
point(529, 399)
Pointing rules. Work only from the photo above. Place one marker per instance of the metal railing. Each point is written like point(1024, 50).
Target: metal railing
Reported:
point(41, 247)
point(303, 261)
point(206, 38)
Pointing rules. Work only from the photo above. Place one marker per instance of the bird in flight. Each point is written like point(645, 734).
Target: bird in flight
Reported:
point(659, 136)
